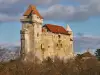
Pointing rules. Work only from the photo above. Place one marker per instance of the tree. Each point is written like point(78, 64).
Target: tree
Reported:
point(97, 53)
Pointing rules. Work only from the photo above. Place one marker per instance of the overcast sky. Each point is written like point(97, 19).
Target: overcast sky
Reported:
point(83, 16)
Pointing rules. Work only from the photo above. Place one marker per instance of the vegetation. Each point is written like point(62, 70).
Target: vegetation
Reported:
point(76, 66)
point(98, 54)
point(52, 67)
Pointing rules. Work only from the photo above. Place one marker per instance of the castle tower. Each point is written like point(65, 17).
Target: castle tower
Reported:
point(70, 32)
point(30, 32)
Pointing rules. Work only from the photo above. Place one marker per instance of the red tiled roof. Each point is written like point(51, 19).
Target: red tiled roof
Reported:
point(32, 9)
point(55, 28)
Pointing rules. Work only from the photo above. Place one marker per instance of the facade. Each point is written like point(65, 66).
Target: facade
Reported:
point(43, 41)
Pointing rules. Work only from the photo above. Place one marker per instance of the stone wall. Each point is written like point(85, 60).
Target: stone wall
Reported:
point(43, 44)
point(32, 36)
point(55, 45)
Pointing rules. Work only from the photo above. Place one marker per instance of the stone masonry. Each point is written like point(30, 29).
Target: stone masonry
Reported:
point(43, 40)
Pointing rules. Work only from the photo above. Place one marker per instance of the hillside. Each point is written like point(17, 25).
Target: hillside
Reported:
point(49, 67)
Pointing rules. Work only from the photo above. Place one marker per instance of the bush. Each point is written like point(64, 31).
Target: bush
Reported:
point(51, 67)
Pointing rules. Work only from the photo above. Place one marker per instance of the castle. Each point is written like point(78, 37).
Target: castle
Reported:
point(43, 41)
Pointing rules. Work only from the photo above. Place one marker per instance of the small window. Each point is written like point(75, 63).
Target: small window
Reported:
point(57, 44)
point(37, 34)
point(59, 36)
point(38, 17)
point(41, 46)
point(59, 41)
point(48, 46)
point(61, 45)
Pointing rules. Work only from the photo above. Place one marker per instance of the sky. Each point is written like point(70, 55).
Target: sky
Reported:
point(83, 16)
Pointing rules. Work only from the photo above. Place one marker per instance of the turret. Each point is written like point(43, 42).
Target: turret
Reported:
point(70, 32)
point(32, 15)
point(68, 29)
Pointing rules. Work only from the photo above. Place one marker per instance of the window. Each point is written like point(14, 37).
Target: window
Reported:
point(41, 46)
point(61, 45)
point(38, 17)
point(57, 44)
point(48, 46)
point(37, 34)
point(59, 41)
point(59, 36)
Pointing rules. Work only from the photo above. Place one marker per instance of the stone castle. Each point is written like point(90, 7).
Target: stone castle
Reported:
point(43, 40)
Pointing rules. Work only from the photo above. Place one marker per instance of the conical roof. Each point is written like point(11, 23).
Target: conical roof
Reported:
point(68, 28)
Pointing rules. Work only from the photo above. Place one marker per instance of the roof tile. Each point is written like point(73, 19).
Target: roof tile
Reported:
point(32, 9)
point(56, 28)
